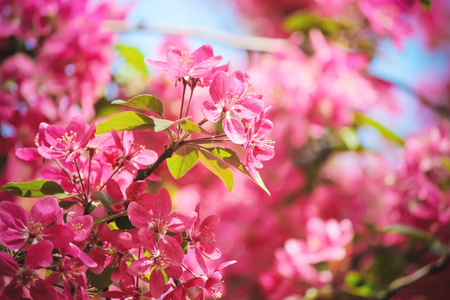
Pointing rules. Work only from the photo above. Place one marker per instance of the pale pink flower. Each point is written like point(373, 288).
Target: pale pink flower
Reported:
point(180, 63)
point(232, 98)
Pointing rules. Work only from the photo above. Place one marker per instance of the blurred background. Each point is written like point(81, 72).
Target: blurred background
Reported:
point(359, 96)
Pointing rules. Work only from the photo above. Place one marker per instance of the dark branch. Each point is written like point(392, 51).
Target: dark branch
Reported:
point(144, 173)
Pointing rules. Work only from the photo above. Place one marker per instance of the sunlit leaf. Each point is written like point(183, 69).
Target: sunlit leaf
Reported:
point(36, 188)
point(133, 57)
point(217, 166)
point(128, 120)
point(230, 157)
point(182, 161)
point(162, 124)
point(301, 21)
point(191, 127)
point(146, 102)
point(361, 119)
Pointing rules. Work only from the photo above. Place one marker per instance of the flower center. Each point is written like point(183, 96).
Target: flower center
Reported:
point(185, 59)
point(68, 139)
point(35, 228)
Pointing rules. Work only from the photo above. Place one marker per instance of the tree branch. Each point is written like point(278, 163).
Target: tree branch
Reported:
point(144, 173)
point(403, 282)
point(252, 43)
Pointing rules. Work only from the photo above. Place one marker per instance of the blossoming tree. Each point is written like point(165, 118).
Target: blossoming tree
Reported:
point(113, 199)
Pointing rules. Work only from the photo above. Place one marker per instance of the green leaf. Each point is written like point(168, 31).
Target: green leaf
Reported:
point(66, 204)
point(408, 230)
point(36, 188)
point(426, 4)
point(191, 127)
point(162, 124)
point(182, 161)
point(217, 166)
point(128, 120)
point(100, 281)
point(133, 57)
point(105, 199)
point(230, 157)
point(361, 119)
point(146, 102)
point(301, 21)
point(124, 223)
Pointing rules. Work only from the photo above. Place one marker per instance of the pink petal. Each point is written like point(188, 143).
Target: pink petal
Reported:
point(234, 130)
point(138, 215)
point(201, 261)
point(181, 220)
point(212, 112)
point(40, 289)
point(135, 190)
point(157, 283)
point(13, 216)
point(124, 242)
point(53, 133)
point(202, 53)
point(174, 271)
point(114, 191)
point(117, 140)
point(88, 135)
point(158, 66)
point(172, 249)
point(141, 266)
point(59, 235)
point(145, 158)
point(77, 125)
point(12, 239)
point(148, 240)
point(39, 254)
point(162, 205)
point(45, 210)
point(249, 108)
point(82, 226)
point(219, 87)
point(128, 284)
point(8, 265)
point(27, 154)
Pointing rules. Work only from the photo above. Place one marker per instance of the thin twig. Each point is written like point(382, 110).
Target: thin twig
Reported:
point(403, 282)
point(252, 43)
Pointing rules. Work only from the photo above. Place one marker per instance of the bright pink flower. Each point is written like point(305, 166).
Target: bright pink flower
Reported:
point(120, 243)
point(232, 97)
point(66, 144)
point(159, 220)
point(203, 239)
point(128, 286)
point(134, 157)
point(134, 193)
point(22, 229)
point(258, 144)
point(180, 64)
point(166, 254)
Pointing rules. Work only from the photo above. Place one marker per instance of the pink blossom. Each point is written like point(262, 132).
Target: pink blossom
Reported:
point(166, 254)
point(203, 238)
point(258, 143)
point(180, 63)
point(134, 157)
point(22, 229)
point(232, 96)
point(159, 220)
point(66, 144)
point(134, 193)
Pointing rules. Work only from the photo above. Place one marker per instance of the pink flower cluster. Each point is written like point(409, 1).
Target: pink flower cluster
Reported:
point(85, 237)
